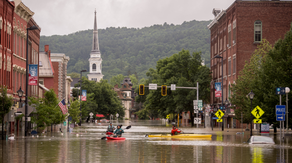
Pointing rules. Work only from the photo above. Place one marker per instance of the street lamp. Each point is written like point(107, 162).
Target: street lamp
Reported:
point(287, 90)
point(251, 96)
point(217, 56)
point(26, 77)
point(80, 94)
point(20, 94)
point(68, 115)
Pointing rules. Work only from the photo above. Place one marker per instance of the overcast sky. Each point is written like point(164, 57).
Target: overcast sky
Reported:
point(63, 17)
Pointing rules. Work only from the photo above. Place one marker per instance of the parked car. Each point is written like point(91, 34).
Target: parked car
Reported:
point(260, 140)
point(104, 121)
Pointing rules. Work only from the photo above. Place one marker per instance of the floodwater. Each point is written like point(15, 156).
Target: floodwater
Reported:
point(87, 146)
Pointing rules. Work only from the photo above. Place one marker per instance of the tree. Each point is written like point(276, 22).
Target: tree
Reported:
point(102, 99)
point(47, 110)
point(183, 69)
point(117, 80)
point(74, 111)
point(6, 103)
point(249, 79)
point(74, 75)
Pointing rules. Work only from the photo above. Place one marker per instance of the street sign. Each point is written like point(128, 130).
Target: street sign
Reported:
point(281, 109)
point(280, 90)
point(265, 128)
point(280, 117)
point(257, 121)
point(215, 118)
point(196, 109)
point(91, 114)
point(195, 102)
point(173, 87)
point(219, 114)
point(219, 120)
point(200, 103)
point(222, 107)
point(117, 115)
point(197, 120)
point(152, 86)
point(257, 112)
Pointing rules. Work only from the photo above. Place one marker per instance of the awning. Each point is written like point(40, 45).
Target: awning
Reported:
point(99, 115)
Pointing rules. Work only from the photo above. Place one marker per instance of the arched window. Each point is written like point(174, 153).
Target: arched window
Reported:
point(94, 67)
point(257, 31)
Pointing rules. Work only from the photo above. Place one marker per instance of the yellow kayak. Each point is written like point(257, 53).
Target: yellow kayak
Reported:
point(181, 136)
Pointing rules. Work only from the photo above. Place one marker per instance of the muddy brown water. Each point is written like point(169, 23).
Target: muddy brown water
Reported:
point(87, 146)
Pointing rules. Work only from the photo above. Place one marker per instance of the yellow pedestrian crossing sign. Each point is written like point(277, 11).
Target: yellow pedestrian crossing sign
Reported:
point(257, 121)
point(257, 112)
point(219, 120)
point(219, 114)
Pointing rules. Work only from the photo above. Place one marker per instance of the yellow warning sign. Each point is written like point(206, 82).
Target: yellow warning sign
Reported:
point(257, 121)
point(257, 112)
point(219, 114)
point(219, 120)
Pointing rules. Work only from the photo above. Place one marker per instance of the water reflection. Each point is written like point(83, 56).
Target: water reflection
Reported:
point(223, 147)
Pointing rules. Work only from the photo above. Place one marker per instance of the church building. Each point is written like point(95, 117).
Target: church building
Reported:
point(95, 57)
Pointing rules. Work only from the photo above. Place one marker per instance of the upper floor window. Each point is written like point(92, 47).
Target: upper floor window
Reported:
point(257, 31)
point(234, 32)
point(94, 67)
point(229, 35)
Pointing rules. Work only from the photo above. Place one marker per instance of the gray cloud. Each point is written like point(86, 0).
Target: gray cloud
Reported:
point(67, 16)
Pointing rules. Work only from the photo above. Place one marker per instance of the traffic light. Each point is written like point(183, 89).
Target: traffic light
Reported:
point(163, 90)
point(141, 89)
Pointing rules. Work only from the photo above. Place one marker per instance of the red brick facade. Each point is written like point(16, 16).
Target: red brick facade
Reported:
point(235, 33)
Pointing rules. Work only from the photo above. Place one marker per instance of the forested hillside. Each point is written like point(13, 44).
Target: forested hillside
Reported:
point(131, 50)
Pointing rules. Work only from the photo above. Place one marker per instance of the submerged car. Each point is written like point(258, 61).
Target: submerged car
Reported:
point(260, 140)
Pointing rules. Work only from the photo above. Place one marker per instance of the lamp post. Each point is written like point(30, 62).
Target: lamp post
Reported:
point(287, 90)
point(217, 56)
point(251, 96)
point(20, 94)
point(226, 107)
point(80, 94)
point(26, 77)
point(68, 115)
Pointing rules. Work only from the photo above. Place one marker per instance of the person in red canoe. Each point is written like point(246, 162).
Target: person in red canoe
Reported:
point(110, 128)
point(174, 130)
point(118, 132)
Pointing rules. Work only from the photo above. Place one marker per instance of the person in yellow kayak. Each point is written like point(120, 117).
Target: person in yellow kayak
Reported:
point(118, 132)
point(175, 131)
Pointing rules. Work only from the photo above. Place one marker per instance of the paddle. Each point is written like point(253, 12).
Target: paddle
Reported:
point(128, 127)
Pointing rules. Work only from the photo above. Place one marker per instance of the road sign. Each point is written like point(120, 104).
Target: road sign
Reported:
point(173, 87)
point(280, 117)
point(219, 114)
point(215, 118)
point(200, 103)
point(265, 128)
point(280, 90)
point(257, 112)
point(222, 107)
point(281, 109)
point(257, 121)
point(197, 120)
point(195, 102)
point(219, 120)
point(152, 86)
point(196, 109)
point(91, 114)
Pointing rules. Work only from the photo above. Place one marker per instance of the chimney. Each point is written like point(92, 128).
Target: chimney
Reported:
point(49, 52)
point(46, 48)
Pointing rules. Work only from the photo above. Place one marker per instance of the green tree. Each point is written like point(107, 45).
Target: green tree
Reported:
point(5, 103)
point(74, 111)
point(183, 69)
point(117, 80)
point(102, 99)
point(47, 110)
point(74, 75)
point(249, 79)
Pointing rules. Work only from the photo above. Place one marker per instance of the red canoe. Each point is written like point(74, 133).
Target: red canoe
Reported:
point(115, 138)
point(109, 133)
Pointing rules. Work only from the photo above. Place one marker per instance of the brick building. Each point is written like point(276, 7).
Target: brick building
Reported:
point(53, 73)
point(235, 34)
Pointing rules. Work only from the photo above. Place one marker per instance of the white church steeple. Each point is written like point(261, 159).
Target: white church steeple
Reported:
point(95, 60)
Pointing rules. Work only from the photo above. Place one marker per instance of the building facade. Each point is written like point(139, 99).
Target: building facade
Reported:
point(235, 34)
point(53, 73)
point(95, 68)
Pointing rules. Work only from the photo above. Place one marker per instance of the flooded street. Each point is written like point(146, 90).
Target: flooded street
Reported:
point(84, 144)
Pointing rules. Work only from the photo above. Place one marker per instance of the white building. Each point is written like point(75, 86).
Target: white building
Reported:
point(95, 60)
